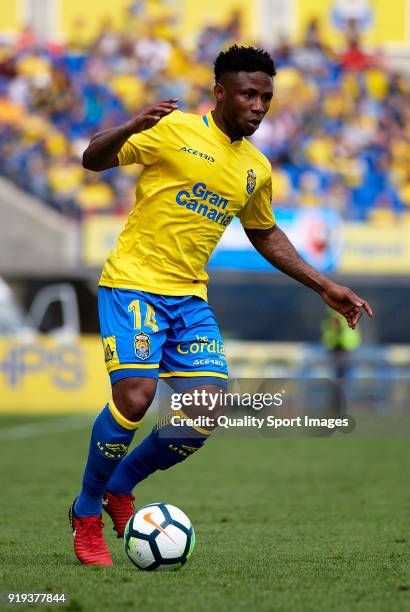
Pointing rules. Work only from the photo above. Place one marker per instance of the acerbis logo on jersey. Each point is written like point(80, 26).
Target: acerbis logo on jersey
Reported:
point(142, 345)
point(198, 153)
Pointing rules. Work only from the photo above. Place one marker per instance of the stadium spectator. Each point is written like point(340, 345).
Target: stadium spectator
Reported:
point(64, 180)
point(354, 58)
point(26, 38)
point(340, 341)
point(153, 55)
point(94, 195)
point(337, 133)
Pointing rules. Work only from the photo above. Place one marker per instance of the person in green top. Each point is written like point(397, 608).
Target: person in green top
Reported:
point(340, 340)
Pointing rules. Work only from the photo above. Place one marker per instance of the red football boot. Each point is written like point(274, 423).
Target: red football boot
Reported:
point(120, 508)
point(89, 543)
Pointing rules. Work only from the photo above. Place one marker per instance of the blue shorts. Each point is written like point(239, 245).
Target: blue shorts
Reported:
point(145, 334)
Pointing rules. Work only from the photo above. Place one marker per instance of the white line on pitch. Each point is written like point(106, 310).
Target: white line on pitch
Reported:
point(59, 424)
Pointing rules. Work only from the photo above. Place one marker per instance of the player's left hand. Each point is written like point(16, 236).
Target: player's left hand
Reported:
point(345, 301)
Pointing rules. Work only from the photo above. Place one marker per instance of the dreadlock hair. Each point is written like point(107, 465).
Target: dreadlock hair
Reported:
point(246, 59)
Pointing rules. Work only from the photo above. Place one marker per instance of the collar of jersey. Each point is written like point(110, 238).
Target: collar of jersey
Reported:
point(220, 135)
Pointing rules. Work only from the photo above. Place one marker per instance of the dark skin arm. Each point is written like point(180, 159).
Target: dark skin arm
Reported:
point(102, 151)
point(275, 247)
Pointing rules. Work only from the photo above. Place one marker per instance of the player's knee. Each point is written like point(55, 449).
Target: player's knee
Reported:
point(133, 397)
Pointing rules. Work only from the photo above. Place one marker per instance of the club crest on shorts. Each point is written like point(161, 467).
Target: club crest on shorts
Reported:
point(250, 181)
point(142, 345)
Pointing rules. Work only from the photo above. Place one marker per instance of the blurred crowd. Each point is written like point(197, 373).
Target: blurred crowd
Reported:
point(337, 134)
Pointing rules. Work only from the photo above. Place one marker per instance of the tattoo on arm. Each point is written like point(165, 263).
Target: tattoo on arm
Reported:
point(276, 248)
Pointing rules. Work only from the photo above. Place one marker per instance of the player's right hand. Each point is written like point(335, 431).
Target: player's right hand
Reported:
point(149, 116)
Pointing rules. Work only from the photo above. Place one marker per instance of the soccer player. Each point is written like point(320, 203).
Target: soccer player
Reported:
point(199, 172)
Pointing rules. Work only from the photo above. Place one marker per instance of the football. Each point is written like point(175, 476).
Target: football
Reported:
point(159, 536)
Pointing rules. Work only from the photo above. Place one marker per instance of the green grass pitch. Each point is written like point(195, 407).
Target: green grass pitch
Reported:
point(292, 525)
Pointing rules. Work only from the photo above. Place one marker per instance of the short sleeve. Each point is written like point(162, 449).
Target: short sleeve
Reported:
point(144, 147)
point(257, 212)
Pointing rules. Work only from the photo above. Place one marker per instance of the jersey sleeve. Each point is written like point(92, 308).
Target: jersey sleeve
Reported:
point(257, 212)
point(144, 147)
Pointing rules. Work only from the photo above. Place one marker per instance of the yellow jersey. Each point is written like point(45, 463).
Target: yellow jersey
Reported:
point(194, 182)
